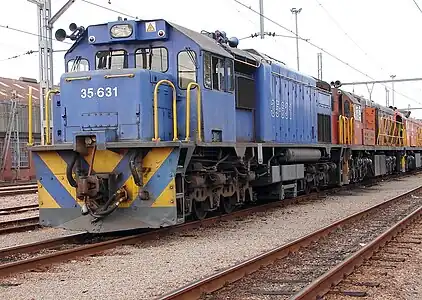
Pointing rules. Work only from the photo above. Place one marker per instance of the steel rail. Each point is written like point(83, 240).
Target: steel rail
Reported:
point(19, 225)
point(4, 184)
point(41, 245)
point(323, 284)
point(17, 186)
point(216, 281)
point(84, 250)
point(18, 189)
point(18, 209)
point(60, 256)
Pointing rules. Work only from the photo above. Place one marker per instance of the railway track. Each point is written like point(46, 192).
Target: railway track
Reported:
point(18, 209)
point(83, 244)
point(27, 257)
point(369, 279)
point(18, 189)
point(19, 225)
point(309, 266)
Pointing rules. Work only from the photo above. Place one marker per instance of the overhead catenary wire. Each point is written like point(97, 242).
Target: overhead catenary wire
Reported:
point(417, 5)
point(29, 52)
point(109, 9)
point(346, 34)
point(30, 33)
point(18, 55)
point(321, 49)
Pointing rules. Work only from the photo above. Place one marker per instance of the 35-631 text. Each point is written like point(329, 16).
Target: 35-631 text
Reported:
point(99, 92)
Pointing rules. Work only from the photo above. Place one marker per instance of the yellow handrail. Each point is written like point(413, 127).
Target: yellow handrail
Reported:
point(69, 79)
point(47, 115)
point(198, 107)
point(351, 137)
point(345, 130)
point(156, 138)
point(30, 138)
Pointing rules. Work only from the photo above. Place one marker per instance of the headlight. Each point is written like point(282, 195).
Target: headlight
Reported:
point(121, 30)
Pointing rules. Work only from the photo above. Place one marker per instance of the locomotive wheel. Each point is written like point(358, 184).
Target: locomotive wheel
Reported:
point(200, 209)
point(226, 204)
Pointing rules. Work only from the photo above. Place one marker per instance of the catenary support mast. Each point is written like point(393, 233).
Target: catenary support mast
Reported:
point(45, 51)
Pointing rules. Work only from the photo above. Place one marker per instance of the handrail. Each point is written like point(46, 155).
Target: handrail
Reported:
point(345, 130)
point(130, 75)
point(156, 138)
point(69, 79)
point(47, 114)
point(30, 138)
point(198, 108)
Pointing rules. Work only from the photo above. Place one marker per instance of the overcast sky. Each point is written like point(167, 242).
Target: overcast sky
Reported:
point(385, 32)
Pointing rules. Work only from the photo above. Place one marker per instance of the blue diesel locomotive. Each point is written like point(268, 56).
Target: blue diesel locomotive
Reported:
point(155, 124)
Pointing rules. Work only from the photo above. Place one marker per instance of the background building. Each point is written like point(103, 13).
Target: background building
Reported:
point(15, 158)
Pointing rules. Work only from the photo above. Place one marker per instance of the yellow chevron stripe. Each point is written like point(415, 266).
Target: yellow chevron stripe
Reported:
point(153, 161)
point(104, 161)
point(58, 167)
point(45, 200)
point(167, 197)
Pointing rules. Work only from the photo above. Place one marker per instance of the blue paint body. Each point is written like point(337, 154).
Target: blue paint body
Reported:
point(324, 103)
point(120, 105)
point(285, 108)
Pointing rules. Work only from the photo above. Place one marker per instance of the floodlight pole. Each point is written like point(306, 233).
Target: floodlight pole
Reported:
point(392, 86)
point(295, 12)
point(261, 18)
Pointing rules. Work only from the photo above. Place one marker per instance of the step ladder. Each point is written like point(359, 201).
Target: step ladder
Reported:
point(9, 129)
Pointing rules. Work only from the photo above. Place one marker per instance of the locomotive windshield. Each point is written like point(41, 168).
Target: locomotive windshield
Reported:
point(78, 64)
point(155, 59)
point(111, 59)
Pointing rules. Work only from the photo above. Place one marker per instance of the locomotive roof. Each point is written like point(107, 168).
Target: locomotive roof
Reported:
point(209, 44)
point(202, 40)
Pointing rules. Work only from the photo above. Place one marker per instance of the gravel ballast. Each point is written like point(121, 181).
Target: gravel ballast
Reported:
point(22, 215)
point(395, 275)
point(18, 200)
point(19, 238)
point(153, 268)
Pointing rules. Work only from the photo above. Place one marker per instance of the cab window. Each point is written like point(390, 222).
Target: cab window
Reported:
point(78, 64)
point(186, 68)
point(155, 59)
point(111, 59)
point(347, 109)
point(230, 75)
point(218, 73)
point(358, 113)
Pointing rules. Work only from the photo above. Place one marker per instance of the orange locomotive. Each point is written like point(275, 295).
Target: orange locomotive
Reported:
point(357, 121)
point(376, 140)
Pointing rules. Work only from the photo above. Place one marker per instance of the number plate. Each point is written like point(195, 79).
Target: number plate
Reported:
point(102, 92)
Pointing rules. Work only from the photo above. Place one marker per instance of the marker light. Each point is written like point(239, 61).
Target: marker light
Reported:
point(121, 30)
